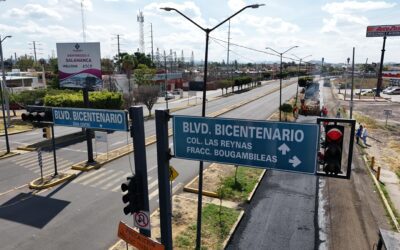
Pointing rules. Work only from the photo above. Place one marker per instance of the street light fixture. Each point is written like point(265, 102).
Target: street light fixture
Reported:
point(3, 84)
point(280, 78)
point(298, 75)
point(203, 112)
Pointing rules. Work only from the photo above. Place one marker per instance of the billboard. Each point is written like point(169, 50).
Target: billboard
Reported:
point(79, 65)
point(383, 30)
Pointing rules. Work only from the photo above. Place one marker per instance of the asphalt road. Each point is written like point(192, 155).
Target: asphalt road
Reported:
point(84, 213)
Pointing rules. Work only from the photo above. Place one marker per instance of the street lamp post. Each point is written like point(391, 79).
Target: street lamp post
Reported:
point(203, 112)
point(280, 78)
point(1, 92)
point(298, 75)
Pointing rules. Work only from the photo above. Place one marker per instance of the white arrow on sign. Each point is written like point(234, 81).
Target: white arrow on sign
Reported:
point(295, 161)
point(284, 149)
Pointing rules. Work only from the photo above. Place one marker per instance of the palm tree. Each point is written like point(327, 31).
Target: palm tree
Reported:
point(129, 62)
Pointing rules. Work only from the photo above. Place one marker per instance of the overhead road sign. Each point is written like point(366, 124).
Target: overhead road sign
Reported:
point(91, 118)
point(383, 30)
point(275, 145)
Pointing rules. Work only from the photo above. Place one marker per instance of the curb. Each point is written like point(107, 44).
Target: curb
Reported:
point(233, 229)
point(47, 143)
point(17, 132)
point(32, 184)
point(11, 154)
point(381, 194)
point(188, 189)
point(250, 197)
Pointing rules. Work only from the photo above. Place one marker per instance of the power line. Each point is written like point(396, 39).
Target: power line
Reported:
point(252, 49)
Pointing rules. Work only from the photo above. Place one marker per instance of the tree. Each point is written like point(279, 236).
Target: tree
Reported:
point(224, 84)
point(148, 95)
point(144, 75)
point(24, 63)
point(107, 66)
point(128, 64)
point(286, 108)
point(147, 92)
point(141, 58)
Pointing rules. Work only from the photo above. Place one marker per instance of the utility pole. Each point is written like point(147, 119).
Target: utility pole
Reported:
point(83, 23)
point(152, 48)
point(4, 85)
point(34, 50)
point(165, 80)
point(227, 53)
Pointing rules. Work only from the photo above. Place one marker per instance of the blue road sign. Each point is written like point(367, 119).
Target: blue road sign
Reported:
point(275, 145)
point(91, 118)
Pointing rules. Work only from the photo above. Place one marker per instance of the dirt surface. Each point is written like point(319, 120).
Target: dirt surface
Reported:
point(353, 210)
point(213, 176)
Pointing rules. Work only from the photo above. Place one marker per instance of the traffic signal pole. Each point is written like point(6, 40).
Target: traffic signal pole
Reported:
point(53, 141)
point(163, 157)
point(88, 131)
point(137, 133)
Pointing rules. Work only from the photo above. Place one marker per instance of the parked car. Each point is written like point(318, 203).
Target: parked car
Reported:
point(394, 91)
point(169, 96)
point(388, 89)
point(177, 91)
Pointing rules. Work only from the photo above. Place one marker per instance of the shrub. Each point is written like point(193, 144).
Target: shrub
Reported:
point(98, 100)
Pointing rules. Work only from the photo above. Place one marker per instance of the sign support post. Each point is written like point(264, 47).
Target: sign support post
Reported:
point(163, 157)
point(88, 131)
point(379, 83)
point(53, 141)
point(137, 133)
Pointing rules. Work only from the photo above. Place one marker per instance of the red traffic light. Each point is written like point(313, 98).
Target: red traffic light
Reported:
point(334, 134)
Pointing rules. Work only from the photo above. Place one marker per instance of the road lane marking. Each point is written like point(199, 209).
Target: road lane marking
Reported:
point(113, 175)
point(98, 176)
point(87, 175)
point(117, 180)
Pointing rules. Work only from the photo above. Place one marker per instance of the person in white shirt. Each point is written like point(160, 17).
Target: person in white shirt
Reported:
point(364, 135)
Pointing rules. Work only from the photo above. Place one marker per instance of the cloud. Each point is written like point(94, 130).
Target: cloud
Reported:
point(34, 11)
point(353, 6)
point(267, 24)
point(236, 4)
point(346, 16)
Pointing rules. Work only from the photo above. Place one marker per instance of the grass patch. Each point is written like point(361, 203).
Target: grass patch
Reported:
point(396, 214)
point(370, 122)
point(239, 190)
point(16, 126)
point(216, 224)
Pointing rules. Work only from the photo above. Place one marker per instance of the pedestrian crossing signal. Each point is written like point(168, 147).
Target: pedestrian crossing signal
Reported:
point(46, 132)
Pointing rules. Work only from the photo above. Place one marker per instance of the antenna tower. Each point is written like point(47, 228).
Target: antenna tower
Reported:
point(140, 19)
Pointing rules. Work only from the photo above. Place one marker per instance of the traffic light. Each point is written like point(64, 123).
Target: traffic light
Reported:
point(37, 114)
point(134, 197)
point(46, 132)
point(333, 149)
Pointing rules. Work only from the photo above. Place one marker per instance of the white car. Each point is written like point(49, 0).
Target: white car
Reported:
point(388, 89)
point(394, 91)
point(169, 95)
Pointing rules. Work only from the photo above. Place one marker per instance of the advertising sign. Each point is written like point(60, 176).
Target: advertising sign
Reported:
point(391, 74)
point(383, 30)
point(282, 146)
point(79, 65)
point(91, 118)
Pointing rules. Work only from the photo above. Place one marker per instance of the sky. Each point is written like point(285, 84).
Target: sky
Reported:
point(323, 29)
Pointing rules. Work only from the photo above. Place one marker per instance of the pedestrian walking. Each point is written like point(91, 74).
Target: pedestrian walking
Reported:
point(359, 133)
point(364, 136)
point(338, 113)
